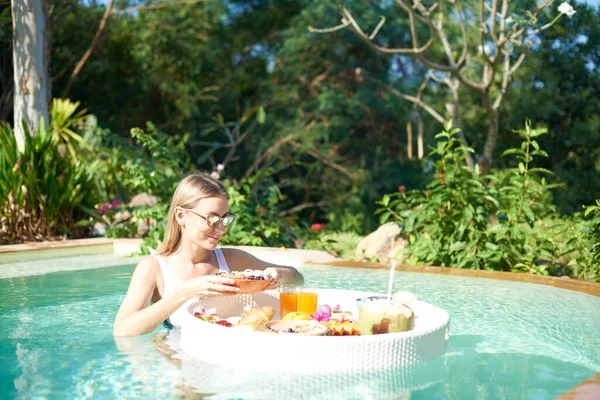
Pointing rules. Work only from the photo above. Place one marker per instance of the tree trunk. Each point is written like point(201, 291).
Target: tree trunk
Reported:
point(453, 109)
point(485, 162)
point(30, 66)
point(420, 139)
point(409, 139)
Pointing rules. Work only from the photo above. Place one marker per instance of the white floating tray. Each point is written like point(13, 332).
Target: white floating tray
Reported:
point(262, 351)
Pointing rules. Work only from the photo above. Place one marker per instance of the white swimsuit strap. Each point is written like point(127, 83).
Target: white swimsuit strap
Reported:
point(221, 260)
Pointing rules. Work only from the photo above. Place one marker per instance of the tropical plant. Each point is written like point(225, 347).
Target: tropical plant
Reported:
point(65, 120)
point(43, 193)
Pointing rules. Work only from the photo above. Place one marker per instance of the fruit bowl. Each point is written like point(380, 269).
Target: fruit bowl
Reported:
point(250, 286)
point(249, 281)
point(297, 327)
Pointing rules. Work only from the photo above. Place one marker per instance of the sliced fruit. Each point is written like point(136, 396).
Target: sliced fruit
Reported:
point(298, 315)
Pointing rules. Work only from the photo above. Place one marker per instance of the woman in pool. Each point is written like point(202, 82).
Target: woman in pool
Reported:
point(187, 260)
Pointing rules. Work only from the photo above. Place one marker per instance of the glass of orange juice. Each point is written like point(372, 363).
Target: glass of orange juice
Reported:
point(307, 300)
point(288, 299)
point(297, 298)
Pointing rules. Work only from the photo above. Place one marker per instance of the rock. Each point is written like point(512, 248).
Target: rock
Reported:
point(381, 244)
point(99, 229)
point(143, 200)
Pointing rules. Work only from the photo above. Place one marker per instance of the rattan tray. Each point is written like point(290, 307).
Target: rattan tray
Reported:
point(311, 354)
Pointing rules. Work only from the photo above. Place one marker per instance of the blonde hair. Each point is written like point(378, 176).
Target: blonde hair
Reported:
point(188, 193)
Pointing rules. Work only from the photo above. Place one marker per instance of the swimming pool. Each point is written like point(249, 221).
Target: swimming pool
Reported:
point(508, 340)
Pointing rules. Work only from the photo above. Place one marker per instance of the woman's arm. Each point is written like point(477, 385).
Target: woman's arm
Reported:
point(135, 317)
point(239, 260)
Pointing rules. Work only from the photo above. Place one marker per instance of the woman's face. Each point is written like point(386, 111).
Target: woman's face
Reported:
point(197, 229)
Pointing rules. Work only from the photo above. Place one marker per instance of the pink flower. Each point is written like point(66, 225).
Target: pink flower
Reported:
point(321, 316)
point(206, 311)
point(214, 175)
point(324, 314)
point(115, 203)
point(220, 167)
point(317, 227)
point(402, 188)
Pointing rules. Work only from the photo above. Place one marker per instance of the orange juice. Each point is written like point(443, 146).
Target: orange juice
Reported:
point(307, 302)
point(297, 301)
point(288, 302)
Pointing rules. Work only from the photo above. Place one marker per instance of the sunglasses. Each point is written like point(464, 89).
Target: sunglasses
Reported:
point(213, 220)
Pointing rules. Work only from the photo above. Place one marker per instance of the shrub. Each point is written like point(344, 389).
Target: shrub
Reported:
point(466, 220)
point(581, 242)
point(257, 202)
point(43, 192)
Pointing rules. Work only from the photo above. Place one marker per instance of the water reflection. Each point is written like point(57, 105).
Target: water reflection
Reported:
point(215, 381)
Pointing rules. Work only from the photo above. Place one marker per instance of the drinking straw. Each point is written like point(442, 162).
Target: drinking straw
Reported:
point(391, 282)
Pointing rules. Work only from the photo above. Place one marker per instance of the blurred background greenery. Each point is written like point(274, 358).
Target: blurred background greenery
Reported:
point(289, 121)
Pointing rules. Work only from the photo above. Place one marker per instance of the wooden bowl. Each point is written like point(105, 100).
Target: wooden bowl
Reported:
point(298, 327)
point(249, 286)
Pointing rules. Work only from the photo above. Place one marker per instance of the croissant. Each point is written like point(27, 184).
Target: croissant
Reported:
point(257, 316)
point(254, 327)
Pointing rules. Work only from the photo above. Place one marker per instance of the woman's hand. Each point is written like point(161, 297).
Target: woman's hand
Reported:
point(274, 273)
point(209, 286)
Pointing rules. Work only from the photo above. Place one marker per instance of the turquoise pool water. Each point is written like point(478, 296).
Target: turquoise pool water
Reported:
point(508, 340)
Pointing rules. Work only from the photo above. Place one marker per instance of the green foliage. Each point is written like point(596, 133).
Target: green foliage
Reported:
point(43, 193)
point(581, 238)
point(256, 201)
point(465, 220)
point(64, 118)
point(150, 162)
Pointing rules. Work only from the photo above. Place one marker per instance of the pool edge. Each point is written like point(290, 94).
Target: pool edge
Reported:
point(586, 390)
point(576, 285)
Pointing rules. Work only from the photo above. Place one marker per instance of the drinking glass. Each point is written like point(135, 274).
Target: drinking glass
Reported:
point(380, 316)
point(297, 298)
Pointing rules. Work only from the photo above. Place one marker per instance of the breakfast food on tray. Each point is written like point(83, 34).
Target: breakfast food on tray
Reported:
point(361, 301)
point(342, 328)
point(298, 327)
point(249, 281)
point(380, 316)
point(206, 314)
point(258, 315)
point(404, 297)
point(249, 274)
point(341, 315)
point(298, 315)
point(255, 318)
point(377, 315)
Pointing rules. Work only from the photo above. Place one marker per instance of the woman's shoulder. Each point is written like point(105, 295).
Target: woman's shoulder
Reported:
point(148, 264)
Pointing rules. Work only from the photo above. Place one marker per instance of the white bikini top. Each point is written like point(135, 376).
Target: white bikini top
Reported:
point(171, 281)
